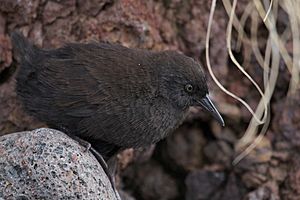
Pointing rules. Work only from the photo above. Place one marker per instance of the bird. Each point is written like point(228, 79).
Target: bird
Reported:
point(109, 95)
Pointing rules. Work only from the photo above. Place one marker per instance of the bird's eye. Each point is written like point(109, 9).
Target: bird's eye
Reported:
point(189, 88)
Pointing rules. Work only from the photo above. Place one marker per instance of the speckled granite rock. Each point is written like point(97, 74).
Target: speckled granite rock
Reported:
point(47, 164)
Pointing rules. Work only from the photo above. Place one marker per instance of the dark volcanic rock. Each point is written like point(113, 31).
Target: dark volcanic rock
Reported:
point(266, 192)
point(150, 181)
point(289, 120)
point(203, 184)
point(183, 150)
point(55, 10)
point(219, 152)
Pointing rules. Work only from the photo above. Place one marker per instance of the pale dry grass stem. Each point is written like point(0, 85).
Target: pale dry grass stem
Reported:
point(275, 49)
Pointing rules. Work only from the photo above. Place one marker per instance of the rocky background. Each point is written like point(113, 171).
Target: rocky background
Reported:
point(196, 161)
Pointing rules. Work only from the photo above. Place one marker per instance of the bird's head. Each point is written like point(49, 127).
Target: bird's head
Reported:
point(182, 81)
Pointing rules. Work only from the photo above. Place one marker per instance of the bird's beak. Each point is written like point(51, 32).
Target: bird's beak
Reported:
point(207, 104)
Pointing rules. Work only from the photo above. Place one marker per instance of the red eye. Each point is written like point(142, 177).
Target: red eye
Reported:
point(189, 88)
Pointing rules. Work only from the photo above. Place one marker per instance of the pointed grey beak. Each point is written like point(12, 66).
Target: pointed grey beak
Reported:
point(206, 103)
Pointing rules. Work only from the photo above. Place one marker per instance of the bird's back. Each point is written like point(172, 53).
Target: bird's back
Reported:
point(96, 91)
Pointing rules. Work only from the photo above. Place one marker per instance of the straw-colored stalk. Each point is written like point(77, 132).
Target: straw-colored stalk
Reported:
point(275, 50)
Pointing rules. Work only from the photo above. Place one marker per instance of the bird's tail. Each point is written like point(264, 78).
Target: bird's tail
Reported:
point(22, 48)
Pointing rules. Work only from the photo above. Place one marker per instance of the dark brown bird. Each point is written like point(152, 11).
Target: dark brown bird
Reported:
point(109, 95)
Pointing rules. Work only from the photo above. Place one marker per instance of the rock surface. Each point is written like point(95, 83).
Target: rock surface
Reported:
point(47, 164)
point(150, 181)
point(203, 184)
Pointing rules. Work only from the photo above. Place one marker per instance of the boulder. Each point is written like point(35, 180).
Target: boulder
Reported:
point(47, 164)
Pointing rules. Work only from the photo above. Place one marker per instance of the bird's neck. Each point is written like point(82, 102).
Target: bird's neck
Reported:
point(165, 118)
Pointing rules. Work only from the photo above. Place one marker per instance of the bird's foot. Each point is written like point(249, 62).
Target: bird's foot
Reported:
point(106, 170)
point(82, 142)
